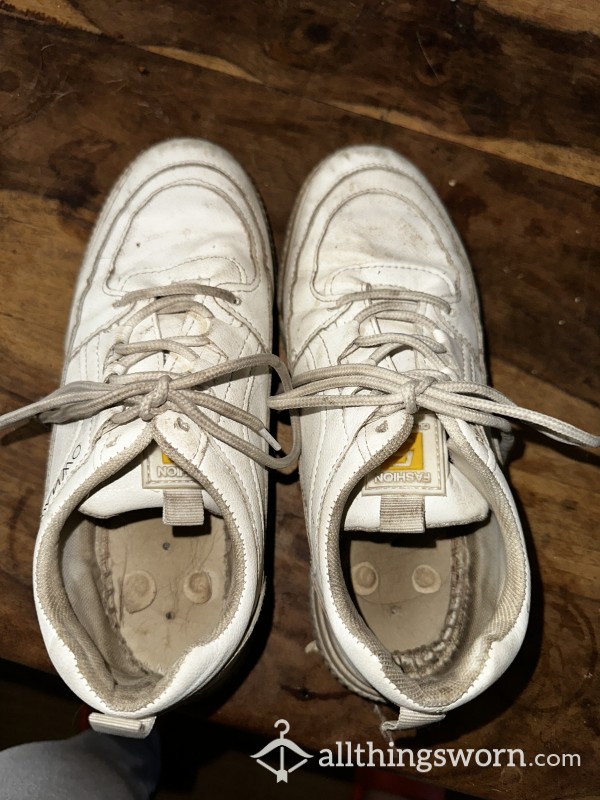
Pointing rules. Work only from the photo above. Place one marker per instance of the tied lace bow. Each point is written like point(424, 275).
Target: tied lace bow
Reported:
point(145, 395)
point(430, 388)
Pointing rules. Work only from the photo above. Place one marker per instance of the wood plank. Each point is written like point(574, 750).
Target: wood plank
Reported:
point(478, 74)
point(571, 162)
point(61, 12)
point(531, 235)
point(579, 17)
point(76, 109)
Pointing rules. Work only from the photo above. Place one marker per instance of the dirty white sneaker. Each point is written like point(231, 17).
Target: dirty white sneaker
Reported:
point(419, 570)
point(148, 569)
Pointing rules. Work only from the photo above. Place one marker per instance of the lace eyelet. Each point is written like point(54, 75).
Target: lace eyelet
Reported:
point(117, 369)
point(203, 325)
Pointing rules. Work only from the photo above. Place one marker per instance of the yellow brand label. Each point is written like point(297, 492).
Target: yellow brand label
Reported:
point(418, 467)
point(160, 472)
point(409, 456)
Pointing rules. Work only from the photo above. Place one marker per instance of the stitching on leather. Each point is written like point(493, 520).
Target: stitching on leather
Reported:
point(229, 201)
point(174, 266)
point(375, 191)
point(111, 203)
point(237, 457)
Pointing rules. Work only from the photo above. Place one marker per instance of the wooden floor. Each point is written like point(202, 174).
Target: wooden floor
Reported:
point(497, 101)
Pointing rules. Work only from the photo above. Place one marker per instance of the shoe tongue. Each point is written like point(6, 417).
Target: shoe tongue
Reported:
point(152, 481)
point(417, 488)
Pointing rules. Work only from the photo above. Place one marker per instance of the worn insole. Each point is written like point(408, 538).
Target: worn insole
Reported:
point(402, 592)
point(169, 585)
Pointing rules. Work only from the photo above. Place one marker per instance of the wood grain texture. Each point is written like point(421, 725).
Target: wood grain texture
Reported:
point(531, 234)
point(579, 17)
point(77, 106)
point(479, 74)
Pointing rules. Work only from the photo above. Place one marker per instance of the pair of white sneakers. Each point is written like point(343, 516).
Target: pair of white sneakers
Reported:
point(148, 568)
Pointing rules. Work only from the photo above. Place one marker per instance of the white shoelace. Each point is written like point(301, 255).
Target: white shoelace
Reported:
point(430, 389)
point(144, 395)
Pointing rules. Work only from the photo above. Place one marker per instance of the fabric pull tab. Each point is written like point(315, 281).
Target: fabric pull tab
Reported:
point(408, 719)
point(121, 726)
point(181, 507)
point(402, 514)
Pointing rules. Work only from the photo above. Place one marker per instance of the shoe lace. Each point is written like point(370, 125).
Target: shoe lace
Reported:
point(145, 395)
point(430, 388)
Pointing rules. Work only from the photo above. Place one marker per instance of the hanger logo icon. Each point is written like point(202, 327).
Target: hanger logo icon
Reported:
point(284, 746)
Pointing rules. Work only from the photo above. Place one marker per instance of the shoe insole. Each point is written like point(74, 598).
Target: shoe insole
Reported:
point(402, 592)
point(168, 585)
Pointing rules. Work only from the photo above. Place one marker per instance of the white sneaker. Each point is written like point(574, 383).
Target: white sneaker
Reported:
point(419, 570)
point(148, 568)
